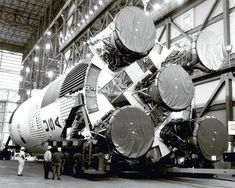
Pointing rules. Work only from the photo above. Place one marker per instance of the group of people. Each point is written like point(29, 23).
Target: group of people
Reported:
point(51, 162)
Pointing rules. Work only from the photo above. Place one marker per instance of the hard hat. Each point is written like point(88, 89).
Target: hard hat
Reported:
point(49, 147)
point(59, 149)
point(22, 148)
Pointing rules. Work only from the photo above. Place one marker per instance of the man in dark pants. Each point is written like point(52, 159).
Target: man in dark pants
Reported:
point(47, 162)
point(57, 160)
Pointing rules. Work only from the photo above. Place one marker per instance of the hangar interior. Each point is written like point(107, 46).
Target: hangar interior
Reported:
point(41, 40)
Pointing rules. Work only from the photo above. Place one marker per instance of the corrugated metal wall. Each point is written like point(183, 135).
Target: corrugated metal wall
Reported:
point(10, 67)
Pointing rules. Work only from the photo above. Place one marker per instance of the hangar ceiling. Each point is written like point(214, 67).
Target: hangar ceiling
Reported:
point(21, 21)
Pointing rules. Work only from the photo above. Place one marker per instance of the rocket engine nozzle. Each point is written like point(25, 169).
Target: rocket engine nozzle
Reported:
point(132, 132)
point(174, 87)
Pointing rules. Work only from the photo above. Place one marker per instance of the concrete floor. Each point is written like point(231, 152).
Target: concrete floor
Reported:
point(33, 178)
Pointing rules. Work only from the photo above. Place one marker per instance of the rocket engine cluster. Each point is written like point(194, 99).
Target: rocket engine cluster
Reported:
point(119, 110)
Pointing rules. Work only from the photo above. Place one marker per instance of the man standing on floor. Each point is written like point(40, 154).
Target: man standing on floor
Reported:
point(47, 162)
point(21, 161)
point(57, 160)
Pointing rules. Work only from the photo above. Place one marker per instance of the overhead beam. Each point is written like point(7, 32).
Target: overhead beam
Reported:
point(168, 34)
point(9, 35)
point(176, 12)
point(17, 29)
point(38, 5)
point(11, 47)
point(196, 29)
point(24, 14)
point(181, 30)
point(204, 23)
point(17, 25)
point(226, 18)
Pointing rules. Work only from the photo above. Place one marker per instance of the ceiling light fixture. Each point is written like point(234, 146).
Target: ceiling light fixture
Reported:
point(35, 59)
point(48, 33)
point(37, 47)
point(50, 74)
point(100, 2)
point(27, 69)
point(180, 1)
point(156, 6)
point(48, 46)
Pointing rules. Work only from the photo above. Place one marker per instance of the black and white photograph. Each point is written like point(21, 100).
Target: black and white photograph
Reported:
point(117, 93)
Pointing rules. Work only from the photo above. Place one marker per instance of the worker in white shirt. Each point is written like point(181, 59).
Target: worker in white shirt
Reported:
point(47, 162)
point(21, 161)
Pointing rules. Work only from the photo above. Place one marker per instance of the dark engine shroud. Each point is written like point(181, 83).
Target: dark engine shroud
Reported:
point(170, 87)
point(132, 39)
point(131, 132)
point(206, 137)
